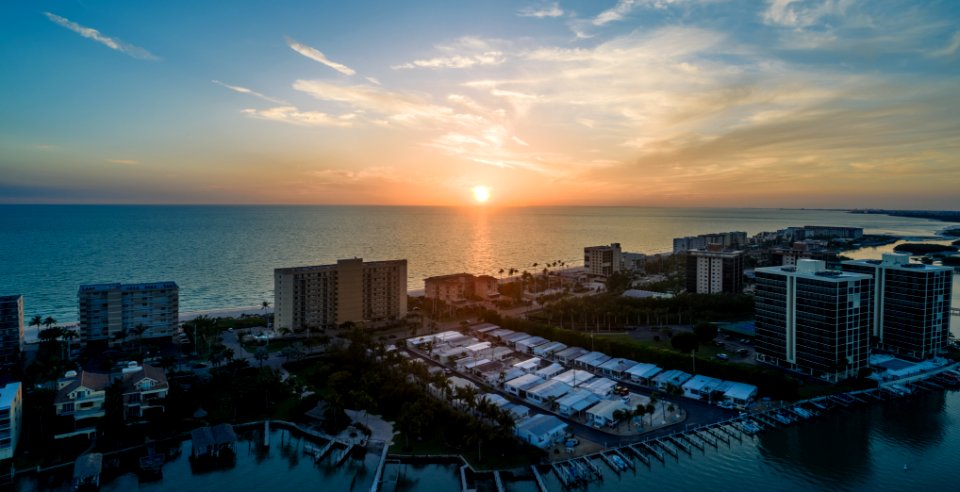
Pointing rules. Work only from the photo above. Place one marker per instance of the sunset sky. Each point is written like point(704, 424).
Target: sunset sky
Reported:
point(809, 103)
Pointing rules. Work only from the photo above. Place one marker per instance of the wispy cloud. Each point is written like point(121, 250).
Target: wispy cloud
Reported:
point(951, 48)
point(292, 115)
point(126, 162)
point(317, 56)
point(802, 13)
point(542, 11)
point(621, 9)
point(455, 61)
point(112, 43)
point(244, 90)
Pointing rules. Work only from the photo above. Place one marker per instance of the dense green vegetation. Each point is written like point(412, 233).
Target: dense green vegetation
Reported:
point(614, 312)
point(923, 248)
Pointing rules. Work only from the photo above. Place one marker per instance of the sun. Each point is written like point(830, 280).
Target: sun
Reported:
point(481, 194)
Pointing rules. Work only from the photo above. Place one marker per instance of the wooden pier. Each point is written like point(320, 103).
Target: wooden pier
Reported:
point(656, 454)
point(498, 481)
point(542, 487)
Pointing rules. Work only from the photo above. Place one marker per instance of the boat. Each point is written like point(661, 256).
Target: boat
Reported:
point(618, 462)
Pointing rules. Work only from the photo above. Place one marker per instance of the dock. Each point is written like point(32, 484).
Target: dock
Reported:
point(639, 454)
point(656, 454)
point(345, 455)
point(542, 487)
point(498, 481)
point(627, 461)
point(668, 449)
point(606, 459)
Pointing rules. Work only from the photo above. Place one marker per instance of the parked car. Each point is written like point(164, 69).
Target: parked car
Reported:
point(723, 356)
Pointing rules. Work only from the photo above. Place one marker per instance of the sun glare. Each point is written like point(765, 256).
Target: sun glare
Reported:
point(481, 194)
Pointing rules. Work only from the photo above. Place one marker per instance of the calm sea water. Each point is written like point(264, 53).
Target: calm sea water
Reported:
point(224, 256)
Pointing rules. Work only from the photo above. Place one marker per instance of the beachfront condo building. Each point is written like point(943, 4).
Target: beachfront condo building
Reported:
point(727, 240)
point(459, 287)
point(812, 320)
point(11, 329)
point(11, 418)
point(634, 262)
point(329, 295)
point(114, 313)
point(714, 271)
point(602, 261)
point(911, 304)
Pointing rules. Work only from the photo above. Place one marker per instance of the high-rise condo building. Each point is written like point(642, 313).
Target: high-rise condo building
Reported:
point(812, 320)
point(714, 271)
point(11, 329)
point(459, 287)
point(602, 260)
point(328, 295)
point(115, 312)
point(911, 304)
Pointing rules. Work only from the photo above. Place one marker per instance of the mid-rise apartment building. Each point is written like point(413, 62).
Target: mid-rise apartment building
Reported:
point(602, 261)
point(459, 287)
point(328, 295)
point(112, 312)
point(11, 418)
point(812, 320)
point(911, 304)
point(714, 271)
point(11, 329)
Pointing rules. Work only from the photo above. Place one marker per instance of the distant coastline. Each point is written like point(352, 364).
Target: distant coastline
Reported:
point(942, 215)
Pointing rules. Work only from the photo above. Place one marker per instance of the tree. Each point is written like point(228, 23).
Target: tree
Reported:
point(261, 355)
point(37, 320)
point(49, 321)
point(138, 332)
point(685, 341)
point(69, 335)
point(706, 332)
point(264, 305)
point(618, 282)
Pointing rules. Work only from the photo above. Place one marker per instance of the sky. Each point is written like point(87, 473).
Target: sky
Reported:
point(778, 103)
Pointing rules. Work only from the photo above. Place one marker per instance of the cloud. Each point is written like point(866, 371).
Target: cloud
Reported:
point(292, 115)
point(112, 43)
point(319, 57)
point(244, 90)
point(951, 48)
point(128, 162)
point(465, 52)
point(396, 106)
point(802, 13)
point(542, 11)
point(617, 12)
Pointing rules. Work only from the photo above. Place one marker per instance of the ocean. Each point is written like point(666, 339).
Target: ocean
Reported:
point(224, 256)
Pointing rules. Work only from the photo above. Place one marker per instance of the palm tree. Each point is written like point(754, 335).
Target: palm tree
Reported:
point(264, 305)
point(49, 321)
point(261, 355)
point(138, 332)
point(69, 335)
point(37, 320)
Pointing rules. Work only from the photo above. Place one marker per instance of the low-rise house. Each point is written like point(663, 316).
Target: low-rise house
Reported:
point(738, 394)
point(643, 373)
point(574, 377)
point(672, 378)
point(470, 363)
point(549, 371)
point(548, 349)
point(11, 419)
point(511, 340)
point(528, 344)
point(502, 375)
point(498, 353)
point(495, 399)
point(529, 365)
point(548, 391)
point(144, 391)
point(700, 387)
point(478, 349)
point(616, 367)
point(591, 361)
point(570, 354)
point(602, 414)
point(576, 401)
point(500, 334)
point(602, 387)
point(448, 353)
point(517, 411)
point(483, 329)
point(520, 385)
point(79, 403)
point(542, 430)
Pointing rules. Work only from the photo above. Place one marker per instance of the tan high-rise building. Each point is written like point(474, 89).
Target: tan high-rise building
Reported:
point(114, 312)
point(329, 295)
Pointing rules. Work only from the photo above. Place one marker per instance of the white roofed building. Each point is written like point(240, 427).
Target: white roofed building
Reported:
point(548, 349)
point(616, 367)
point(544, 392)
point(527, 345)
point(643, 373)
point(673, 377)
point(700, 387)
point(542, 430)
point(568, 355)
point(576, 401)
point(600, 386)
point(574, 377)
point(520, 385)
point(550, 371)
point(592, 360)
